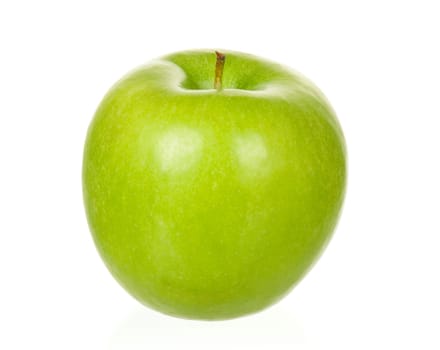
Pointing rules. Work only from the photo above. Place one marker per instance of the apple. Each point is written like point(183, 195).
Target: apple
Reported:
point(212, 182)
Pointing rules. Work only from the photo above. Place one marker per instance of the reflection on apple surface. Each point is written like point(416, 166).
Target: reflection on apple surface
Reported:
point(178, 149)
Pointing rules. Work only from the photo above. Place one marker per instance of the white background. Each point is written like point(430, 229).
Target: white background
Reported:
point(378, 284)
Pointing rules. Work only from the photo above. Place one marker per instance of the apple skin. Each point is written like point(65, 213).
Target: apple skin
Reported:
point(209, 204)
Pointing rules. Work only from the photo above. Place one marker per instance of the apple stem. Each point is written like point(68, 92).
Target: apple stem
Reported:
point(219, 64)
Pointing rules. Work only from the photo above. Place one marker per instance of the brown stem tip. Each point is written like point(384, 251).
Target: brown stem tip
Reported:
point(219, 64)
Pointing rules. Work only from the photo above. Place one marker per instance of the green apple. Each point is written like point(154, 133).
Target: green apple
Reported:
point(212, 185)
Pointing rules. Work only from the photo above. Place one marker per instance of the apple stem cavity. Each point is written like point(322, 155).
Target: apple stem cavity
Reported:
point(219, 64)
